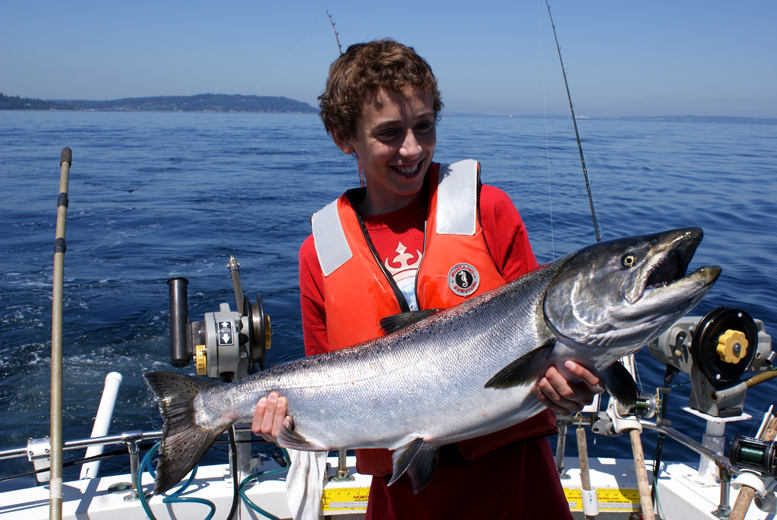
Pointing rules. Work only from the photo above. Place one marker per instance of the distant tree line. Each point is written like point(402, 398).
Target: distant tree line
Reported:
point(20, 103)
point(197, 103)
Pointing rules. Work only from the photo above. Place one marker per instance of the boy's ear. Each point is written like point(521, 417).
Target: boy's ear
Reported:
point(343, 145)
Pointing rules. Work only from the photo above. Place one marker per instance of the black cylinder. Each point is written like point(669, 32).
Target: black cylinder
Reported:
point(180, 344)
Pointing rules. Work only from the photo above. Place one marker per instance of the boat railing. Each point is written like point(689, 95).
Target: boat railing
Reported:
point(121, 438)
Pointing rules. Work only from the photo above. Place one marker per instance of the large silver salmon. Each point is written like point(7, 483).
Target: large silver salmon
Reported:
point(457, 373)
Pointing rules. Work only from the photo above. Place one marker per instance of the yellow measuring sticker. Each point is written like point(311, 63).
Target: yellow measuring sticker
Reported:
point(344, 499)
point(609, 499)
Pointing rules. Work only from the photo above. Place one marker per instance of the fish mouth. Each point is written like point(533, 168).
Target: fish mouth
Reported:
point(673, 264)
point(670, 268)
point(665, 276)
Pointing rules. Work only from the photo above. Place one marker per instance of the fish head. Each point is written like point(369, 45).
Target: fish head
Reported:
point(623, 293)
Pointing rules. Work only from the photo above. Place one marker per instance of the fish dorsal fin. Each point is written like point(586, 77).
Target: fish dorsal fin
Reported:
point(524, 370)
point(418, 460)
point(399, 321)
point(620, 384)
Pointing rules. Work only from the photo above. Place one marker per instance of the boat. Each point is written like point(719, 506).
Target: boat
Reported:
point(716, 351)
point(706, 490)
point(723, 353)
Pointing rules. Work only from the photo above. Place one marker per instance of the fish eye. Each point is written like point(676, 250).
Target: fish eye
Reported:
point(629, 260)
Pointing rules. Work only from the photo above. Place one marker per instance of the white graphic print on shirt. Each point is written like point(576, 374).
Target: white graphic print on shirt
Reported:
point(404, 273)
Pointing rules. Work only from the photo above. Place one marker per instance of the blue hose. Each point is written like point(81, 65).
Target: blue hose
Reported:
point(145, 465)
point(174, 497)
point(252, 478)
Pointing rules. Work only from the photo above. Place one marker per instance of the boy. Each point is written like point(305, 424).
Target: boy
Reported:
point(381, 104)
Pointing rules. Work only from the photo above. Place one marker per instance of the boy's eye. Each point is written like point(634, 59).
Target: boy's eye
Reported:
point(388, 133)
point(425, 126)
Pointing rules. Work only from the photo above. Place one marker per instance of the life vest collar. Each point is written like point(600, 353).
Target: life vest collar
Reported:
point(456, 214)
point(457, 198)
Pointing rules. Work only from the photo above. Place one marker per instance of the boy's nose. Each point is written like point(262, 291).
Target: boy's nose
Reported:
point(410, 145)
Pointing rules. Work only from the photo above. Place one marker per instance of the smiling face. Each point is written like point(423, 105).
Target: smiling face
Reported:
point(394, 141)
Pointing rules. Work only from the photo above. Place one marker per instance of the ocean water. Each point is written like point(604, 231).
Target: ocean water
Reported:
point(157, 195)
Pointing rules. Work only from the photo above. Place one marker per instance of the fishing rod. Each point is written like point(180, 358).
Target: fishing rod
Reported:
point(590, 504)
point(574, 123)
point(55, 482)
point(337, 36)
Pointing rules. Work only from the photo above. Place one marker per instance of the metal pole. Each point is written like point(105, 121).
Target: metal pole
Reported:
point(234, 273)
point(561, 446)
point(55, 485)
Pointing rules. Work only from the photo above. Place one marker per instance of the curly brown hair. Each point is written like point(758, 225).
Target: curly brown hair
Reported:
point(366, 67)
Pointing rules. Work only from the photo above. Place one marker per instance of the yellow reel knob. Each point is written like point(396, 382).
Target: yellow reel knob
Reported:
point(732, 346)
point(201, 360)
point(267, 332)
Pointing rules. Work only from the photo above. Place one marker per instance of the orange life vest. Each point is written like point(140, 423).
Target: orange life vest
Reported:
point(456, 265)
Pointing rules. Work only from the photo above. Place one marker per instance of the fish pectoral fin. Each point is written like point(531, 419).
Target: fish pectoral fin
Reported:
point(422, 468)
point(397, 322)
point(289, 437)
point(524, 370)
point(620, 384)
point(418, 460)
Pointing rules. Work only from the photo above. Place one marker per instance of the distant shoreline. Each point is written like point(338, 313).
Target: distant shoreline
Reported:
point(664, 118)
point(196, 103)
point(237, 103)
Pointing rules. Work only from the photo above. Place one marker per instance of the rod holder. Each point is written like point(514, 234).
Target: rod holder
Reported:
point(181, 350)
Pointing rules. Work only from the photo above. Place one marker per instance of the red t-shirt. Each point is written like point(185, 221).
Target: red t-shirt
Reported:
point(400, 233)
point(478, 478)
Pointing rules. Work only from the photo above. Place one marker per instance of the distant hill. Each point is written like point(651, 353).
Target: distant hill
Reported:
point(20, 103)
point(705, 119)
point(197, 103)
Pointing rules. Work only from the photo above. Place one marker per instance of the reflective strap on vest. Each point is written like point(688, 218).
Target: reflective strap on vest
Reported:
point(331, 245)
point(457, 193)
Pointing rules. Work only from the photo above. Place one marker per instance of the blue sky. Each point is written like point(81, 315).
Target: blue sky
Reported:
point(622, 57)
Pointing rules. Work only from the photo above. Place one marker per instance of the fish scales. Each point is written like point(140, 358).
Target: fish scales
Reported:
point(461, 372)
point(425, 366)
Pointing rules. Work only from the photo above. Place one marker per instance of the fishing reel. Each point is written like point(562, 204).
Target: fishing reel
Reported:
point(716, 350)
point(227, 344)
point(755, 454)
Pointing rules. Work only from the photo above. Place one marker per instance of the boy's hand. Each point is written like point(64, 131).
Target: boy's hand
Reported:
point(563, 396)
point(270, 416)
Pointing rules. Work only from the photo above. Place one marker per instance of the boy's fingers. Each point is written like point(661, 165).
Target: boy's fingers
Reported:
point(582, 372)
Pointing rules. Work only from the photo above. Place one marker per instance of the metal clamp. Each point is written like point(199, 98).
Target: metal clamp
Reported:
point(39, 453)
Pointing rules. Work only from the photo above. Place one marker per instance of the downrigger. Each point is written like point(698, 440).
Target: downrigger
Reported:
point(227, 344)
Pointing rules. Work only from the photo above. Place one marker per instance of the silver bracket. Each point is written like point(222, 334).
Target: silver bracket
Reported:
point(39, 453)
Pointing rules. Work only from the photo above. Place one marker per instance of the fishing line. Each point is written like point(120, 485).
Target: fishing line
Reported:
point(547, 138)
point(283, 54)
point(577, 133)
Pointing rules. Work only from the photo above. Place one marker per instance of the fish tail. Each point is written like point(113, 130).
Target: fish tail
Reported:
point(184, 442)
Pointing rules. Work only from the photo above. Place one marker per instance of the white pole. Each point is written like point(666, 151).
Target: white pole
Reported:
point(102, 422)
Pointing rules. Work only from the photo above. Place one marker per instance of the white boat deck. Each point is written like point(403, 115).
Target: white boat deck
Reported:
point(108, 498)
